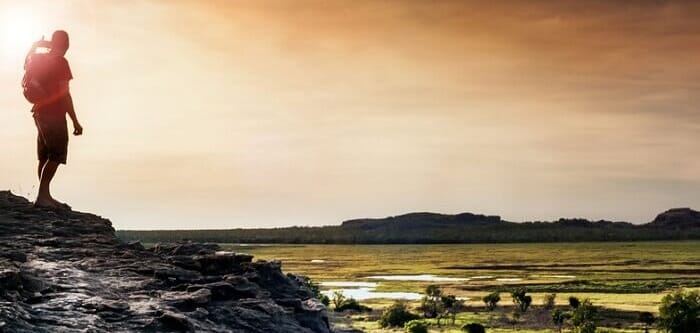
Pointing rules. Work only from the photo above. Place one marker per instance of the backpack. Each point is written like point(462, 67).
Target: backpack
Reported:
point(34, 83)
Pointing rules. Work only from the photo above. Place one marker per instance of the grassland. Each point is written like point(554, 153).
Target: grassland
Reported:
point(622, 278)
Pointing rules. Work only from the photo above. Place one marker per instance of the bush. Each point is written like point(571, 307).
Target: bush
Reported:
point(521, 299)
point(313, 287)
point(474, 328)
point(416, 326)
point(647, 318)
point(430, 303)
point(451, 306)
point(558, 318)
point(324, 299)
point(352, 304)
point(491, 300)
point(680, 312)
point(574, 302)
point(584, 317)
point(338, 300)
point(396, 315)
point(550, 301)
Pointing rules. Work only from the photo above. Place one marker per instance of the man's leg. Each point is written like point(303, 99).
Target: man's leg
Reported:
point(42, 163)
point(44, 198)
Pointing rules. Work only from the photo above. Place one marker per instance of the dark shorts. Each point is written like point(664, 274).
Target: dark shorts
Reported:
point(52, 141)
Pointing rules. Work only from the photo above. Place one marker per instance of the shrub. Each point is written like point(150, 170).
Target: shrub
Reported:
point(352, 304)
point(550, 301)
point(396, 315)
point(338, 300)
point(584, 317)
point(451, 306)
point(558, 318)
point(430, 303)
point(324, 299)
point(586, 328)
point(574, 302)
point(416, 326)
point(474, 328)
point(491, 300)
point(521, 299)
point(680, 312)
point(647, 318)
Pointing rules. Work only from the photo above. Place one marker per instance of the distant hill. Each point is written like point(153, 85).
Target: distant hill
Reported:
point(677, 218)
point(432, 228)
point(422, 221)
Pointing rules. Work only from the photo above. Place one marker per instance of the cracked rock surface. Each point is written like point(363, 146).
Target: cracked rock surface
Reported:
point(66, 271)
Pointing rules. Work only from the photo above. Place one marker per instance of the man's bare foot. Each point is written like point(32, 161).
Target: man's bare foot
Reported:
point(46, 203)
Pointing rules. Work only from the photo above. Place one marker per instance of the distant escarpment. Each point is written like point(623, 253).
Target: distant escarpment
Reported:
point(67, 272)
point(682, 218)
point(431, 228)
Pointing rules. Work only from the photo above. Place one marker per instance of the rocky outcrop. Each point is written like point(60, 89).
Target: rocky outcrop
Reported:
point(677, 218)
point(67, 272)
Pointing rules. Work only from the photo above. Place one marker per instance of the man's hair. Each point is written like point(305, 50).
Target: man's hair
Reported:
point(59, 40)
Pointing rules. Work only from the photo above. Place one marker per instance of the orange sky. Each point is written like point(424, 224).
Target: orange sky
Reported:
point(275, 113)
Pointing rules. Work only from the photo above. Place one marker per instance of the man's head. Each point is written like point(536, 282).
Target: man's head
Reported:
point(59, 42)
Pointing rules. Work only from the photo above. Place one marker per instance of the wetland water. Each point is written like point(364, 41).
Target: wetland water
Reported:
point(402, 271)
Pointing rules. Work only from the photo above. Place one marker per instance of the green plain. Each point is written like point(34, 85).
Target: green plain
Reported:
point(621, 278)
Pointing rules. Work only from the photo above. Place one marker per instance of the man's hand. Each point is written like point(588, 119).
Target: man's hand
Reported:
point(78, 130)
point(40, 43)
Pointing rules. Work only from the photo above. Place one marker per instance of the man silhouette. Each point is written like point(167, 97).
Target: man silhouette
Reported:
point(50, 115)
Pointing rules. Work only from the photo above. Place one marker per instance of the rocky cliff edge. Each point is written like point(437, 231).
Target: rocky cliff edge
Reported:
point(67, 272)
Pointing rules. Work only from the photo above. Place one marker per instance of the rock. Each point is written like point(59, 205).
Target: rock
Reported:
point(10, 277)
point(176, 321)
point(186, 262)
point(15, 256)
point(244, 288)
point(112, 306)
point(219, 290)
point(176, 275)
point(221, 262)
point(66, 271)
point(187, 301)
point(185, 248)
point(136, 245)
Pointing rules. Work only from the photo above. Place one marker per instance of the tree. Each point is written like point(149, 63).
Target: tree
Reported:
point(451, 306)
point(647, 318)
point(396, 315)
point(338, 300)
point(431, 304)
point(416, 326)
point(680, 312)
point(491, 300)
point(549, 301)
point(584, 317)
point(474, 328)
point(521, 299)
point(574, 302)
point(558, 318)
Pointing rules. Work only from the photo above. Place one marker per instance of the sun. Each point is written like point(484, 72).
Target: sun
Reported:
point(19, 28)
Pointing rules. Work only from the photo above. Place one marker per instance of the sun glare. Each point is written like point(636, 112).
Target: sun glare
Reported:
point(20, 28)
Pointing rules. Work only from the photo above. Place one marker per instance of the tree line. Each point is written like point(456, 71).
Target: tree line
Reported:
point(396, 233)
